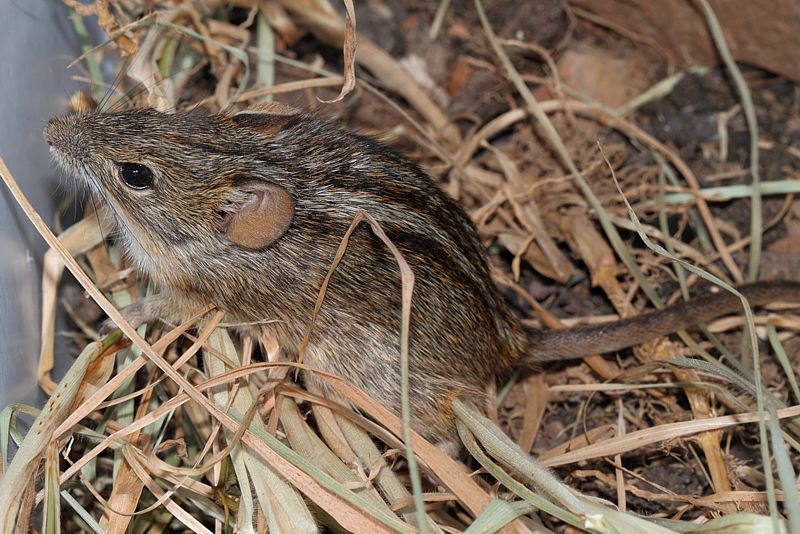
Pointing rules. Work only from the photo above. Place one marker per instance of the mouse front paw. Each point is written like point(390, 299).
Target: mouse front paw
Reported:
point(142, 311)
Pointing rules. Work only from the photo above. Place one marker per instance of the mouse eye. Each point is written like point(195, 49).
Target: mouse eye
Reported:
point(135, 175)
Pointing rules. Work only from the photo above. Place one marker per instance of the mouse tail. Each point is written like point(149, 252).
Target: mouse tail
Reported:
point(582, 341)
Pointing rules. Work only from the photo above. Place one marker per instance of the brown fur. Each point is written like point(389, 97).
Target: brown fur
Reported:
point(462, 334)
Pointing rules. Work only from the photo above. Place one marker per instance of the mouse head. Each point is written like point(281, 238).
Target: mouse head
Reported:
point(177, 179)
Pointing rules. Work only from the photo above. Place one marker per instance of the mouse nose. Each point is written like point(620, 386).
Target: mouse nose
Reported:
point(51, 131)
point(61, 134)
point(48, 133)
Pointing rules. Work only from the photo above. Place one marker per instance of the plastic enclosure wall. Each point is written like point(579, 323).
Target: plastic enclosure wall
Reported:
point(36, 44)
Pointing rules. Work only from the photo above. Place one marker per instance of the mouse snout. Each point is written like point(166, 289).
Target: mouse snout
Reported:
point(61, 133)
point(51, 131)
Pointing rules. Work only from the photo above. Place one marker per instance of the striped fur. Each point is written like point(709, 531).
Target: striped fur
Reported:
point(462, 333)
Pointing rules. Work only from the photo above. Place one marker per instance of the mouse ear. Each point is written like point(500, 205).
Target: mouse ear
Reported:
point(267, 117)
point(261, 218)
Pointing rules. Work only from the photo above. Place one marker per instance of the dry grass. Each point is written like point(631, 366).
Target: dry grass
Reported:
point(175, 431)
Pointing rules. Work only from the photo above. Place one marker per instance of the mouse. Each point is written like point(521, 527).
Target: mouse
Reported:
point(246, 211)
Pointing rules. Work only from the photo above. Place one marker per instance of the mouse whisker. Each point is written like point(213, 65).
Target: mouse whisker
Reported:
point(137, 89)
point(113, 87)
point(116, 232)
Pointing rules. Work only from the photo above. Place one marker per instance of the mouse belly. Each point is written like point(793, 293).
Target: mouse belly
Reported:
point(430, 397)
point(366, 357)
